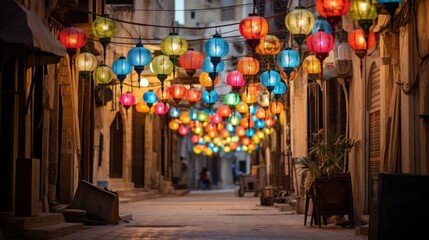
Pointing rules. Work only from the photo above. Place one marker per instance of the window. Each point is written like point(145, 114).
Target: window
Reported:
point(192, 15)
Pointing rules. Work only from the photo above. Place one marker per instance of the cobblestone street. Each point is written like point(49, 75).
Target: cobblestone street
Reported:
point(210, 215)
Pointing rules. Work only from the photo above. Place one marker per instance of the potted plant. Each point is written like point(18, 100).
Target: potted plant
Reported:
point(327, 180)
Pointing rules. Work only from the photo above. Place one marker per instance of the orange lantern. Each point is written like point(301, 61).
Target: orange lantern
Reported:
point(247, 123)
point(225, 133)
point(260, 113)
point(206, 81)
point(174, 124)
point(270, 45)
point(163, 94)
point(276, 107)
point(245, 141)
point(269, 122)
point(248, 97)
point(142, 107)
point(240, 131)
point(248, 66)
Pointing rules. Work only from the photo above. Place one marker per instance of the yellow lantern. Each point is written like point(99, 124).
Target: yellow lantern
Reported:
point(276, 107)
point(299, 22)
point(311, 65)
point(242, 107)
point(249, 97)
point(102, 75)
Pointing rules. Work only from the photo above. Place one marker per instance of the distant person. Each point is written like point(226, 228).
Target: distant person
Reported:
point(184, 176)
point(204, 181)
point(234, 173)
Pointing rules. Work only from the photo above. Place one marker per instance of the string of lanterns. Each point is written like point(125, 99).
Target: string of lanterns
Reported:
point(244, 119)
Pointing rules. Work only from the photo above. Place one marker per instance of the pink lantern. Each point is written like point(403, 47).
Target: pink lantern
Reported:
point(235, 79)
point(161, 108)
point(183, 130)
point(320, 43)
point(127, 100)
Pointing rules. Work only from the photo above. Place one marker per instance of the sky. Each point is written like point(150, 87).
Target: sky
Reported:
point(179, 16)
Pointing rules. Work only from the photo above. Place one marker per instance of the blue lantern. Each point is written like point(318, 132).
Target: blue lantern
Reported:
point(288, 59)
point(209, 98)
point(229, 127)
point(250, 132)
point(121, 67)
point(216, 48)
point(279, 88)
point(174, 112)
point(209, 67)
point(269, 79)
point(139, 57)
point(150, 98)
point(260, 124)
point(193, 114)
point(321, 23)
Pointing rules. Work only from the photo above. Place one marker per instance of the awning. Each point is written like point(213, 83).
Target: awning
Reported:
point(19, 25)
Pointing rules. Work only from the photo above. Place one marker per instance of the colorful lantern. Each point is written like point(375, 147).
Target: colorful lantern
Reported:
point(139, 57)
point(359, 43)
point(320, 43)
point(332, 10)
point(248, 66)
point(311, 65)
point(191, 61)
point(163, 94)
point(209, 98)
point(269, 45)
point(235, 80)
point(321, 23)
point(150, 97)
point(173, 46)
point(161, 108)
point(102, 75)
point(363, 11)
point(142, 107)
point(231, 99)
point(299, 22)
point(276, 107)
point(224, 111)
point(269, 79)
point(177, 92)
point(288, 59)
point(127, 100)
point(85, 63)
point(206, 81)
point(121, 67)
point(253, 28)
point(104, 28)
point(72, 38)
point(193, 95)
point(162, 66)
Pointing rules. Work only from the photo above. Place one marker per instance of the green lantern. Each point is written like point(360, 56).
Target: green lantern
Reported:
point(103, 75)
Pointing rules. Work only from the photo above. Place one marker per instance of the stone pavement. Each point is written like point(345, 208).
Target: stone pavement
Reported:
point(216, 214)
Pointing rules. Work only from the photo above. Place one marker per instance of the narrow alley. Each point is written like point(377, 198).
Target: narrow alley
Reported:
point(216, 214)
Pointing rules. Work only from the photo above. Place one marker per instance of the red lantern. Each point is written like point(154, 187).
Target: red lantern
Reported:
point(359, 43)
point(320, 43)
point(183, 130)
point(235, 80)
point(253, 28)
point(332, 10)
point(215, 118)
point(195, 138)
point(72, 39)
point(191, 61)
point(193, 95)
point(161, 108)
point(177, 92)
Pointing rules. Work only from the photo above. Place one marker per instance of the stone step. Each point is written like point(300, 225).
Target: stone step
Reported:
point(43, 219)
point(52, 231)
